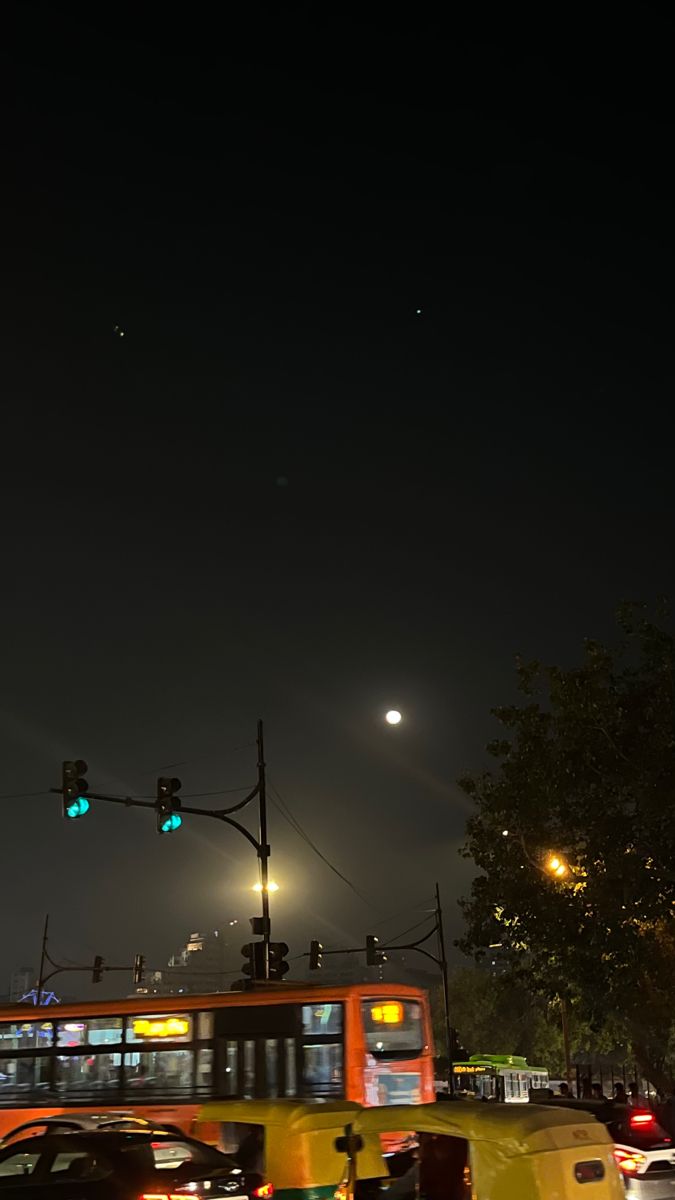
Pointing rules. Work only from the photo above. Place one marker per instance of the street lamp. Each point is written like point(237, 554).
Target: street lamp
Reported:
point(556, 866)
point(271, 887)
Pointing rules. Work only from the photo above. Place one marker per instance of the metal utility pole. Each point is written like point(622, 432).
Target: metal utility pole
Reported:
point(43, 955)
point(263, 851)
point(443, 964)
point(176, 810)
point(566, 1039)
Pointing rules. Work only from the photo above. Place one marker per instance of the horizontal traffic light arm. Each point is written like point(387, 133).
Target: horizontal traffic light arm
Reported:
point(389, 946)
point(217, 814)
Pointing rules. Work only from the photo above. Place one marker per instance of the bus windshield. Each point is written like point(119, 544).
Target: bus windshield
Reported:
point(393, 1028)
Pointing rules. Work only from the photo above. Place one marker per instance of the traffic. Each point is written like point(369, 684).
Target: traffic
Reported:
point(295, 1091)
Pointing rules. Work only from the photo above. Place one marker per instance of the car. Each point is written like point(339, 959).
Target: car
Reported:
point(644, 1152)
point(122, 1164)
point(78, 1122)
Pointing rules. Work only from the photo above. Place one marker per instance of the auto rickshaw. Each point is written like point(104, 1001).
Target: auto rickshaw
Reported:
point(468, 1150)
point(504, 1152)
point(296, 1146)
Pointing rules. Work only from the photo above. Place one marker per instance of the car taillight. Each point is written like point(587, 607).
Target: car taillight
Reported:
point(264, 1192)
point(629, 1161)
point(638, 1120)
point(161, 1196)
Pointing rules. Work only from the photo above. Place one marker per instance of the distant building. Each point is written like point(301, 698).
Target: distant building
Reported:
point(206, 963)
point(21, 981)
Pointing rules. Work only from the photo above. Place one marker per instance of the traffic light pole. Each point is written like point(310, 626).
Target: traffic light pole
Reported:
point(439, 959)
point(260, 844)
point(264, 851)
point(443, 964)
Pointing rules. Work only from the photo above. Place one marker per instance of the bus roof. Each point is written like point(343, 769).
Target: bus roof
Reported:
point(498, 1060)
point(307, 993)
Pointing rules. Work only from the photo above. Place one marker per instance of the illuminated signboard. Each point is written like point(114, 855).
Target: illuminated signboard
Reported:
point(470, 1070)
point(390, 1012)
point(161, 1027)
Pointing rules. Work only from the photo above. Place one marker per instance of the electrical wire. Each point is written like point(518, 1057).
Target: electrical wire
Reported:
point(409, 908)
point(286, 813)
point(405, 931)
point(198, 795)
point(22, 795)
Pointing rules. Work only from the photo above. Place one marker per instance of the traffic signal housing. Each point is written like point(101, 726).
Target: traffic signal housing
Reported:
point(373, 956)
point(254, 954)
point(139, 968)
point(97, 970)
point(167, 805)
point(74, 788)
point(315, 955)
point(278, 967)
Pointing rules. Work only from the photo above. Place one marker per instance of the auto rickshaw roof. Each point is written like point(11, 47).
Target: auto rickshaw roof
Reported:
point(295, 1117)
point(474, 1119)
point(477, 1120)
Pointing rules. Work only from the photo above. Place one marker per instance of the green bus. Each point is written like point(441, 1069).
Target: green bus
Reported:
point(504, 1077)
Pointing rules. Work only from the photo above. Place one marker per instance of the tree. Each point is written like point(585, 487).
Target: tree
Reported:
point(499, 1015)
point(586, 770)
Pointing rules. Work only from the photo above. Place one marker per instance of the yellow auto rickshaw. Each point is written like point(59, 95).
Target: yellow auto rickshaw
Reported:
point(297, 1151)
point(504, 1152)
point(468, 1150)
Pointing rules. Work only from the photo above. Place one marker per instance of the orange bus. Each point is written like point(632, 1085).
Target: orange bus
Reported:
point(162, 1057)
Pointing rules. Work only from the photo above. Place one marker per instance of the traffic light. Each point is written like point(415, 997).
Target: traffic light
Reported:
point(277, 961)
point(315, 956)
point(97, 972)
point(139, 968)
point(74, 788)
point(167, 805)
point(254, 953)
point(373, 956)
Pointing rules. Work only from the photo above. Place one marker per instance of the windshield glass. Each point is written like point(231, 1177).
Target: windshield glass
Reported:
point(393, 1028)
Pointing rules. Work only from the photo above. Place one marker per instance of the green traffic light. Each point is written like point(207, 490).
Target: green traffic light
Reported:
point(172, 822)
point(77, 807)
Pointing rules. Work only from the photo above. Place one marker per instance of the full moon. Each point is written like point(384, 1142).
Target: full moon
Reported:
point(393, 717)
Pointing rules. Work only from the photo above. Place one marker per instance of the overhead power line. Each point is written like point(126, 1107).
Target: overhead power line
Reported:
point(286, 813)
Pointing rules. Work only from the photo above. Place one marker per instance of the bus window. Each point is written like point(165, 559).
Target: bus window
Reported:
point(322, 1069)
point(204, 1071)
point(393, 1028)
point(19, 1076)
point(321, 1018)
point(291, 1088)
point(271, 1068)
point(97, 1031)
point(26, 1035)
point(79, 1073)
point(166, 1071)
point(205, 1026)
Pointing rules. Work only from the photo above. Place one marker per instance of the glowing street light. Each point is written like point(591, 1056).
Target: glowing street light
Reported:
point(556, 866)
point(271, 887)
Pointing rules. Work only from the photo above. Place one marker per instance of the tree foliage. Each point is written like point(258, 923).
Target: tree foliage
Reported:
point(586, 769)
point(500, 1015)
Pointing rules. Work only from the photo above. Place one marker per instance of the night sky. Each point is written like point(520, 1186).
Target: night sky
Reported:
point(286, 492)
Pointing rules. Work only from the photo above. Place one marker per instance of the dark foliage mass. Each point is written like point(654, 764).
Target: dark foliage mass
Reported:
point(586, 772)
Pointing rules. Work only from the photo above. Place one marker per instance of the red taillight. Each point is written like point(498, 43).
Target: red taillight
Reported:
point(638, 1120)
point(629, 1161)
point(264, 1192)
point(161, 1196)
